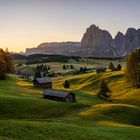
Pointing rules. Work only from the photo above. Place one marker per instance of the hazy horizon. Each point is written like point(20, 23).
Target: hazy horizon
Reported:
point(26, 24)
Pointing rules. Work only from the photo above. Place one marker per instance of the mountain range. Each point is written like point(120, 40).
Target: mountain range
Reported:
point(94, 43)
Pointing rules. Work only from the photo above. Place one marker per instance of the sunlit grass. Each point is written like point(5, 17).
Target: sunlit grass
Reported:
point(24, 84)
point(111, 123)
point(90, 115)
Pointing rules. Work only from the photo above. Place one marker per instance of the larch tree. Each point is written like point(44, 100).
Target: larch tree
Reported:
point(6, 63)
point(104, 91)
point(66, 84)
point(133, 68)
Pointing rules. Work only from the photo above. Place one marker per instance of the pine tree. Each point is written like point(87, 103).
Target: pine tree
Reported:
point(9, 62)
point(64, 67)
point(111, 66)
point(2, 69)
point(81, 69)
point(71, 67)
point(104, 91)
point(49, 68)
point(6, 63)
point(85, 69)
point(66, 84)
point(37, 72)
point(45, 69)
point(133, 68)
point(44, 74)
point(119, 67)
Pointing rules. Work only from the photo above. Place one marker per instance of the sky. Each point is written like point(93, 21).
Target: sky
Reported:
point(28, 23)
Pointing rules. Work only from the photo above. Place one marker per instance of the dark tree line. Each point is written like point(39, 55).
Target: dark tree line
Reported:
point(6, 63)
point(113, 68)
point(42, 58)
point(68, 67)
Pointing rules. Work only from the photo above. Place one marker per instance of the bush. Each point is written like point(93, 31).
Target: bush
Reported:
point(119, 67)
point(66, 84)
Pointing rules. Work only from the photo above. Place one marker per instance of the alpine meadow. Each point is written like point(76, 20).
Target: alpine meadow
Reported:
point(69, 70)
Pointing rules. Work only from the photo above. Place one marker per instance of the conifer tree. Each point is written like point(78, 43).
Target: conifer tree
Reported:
point(66, 84)
point(71, 67)
point(133, 68)
point(49, 68)
point(44, 74)
point(9, 62)
point(111, 66)
point(119, 67)
point(64, 67)
point(104, 91)
point(6, 63)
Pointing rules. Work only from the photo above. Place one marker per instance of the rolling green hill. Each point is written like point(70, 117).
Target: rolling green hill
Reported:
point(125, 105)
point(24, 114)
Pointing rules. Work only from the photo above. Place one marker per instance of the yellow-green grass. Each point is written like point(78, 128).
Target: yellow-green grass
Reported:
point(117, 113)
point(20, 99)
point(90, 63)
point(89, 83)
point(35, 130)
point(24, 114)
point(125, 105)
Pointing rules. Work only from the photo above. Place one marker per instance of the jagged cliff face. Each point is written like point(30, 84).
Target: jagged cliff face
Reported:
point(100, 43)
point(126, 43)
point(95, 37)
point(95, 43)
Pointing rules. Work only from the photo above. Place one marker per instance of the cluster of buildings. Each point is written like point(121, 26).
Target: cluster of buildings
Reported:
point(49, 93)
point(57, 95)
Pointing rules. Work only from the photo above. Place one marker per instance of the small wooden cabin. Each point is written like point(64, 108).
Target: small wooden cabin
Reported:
point(59, 95)
point(43, 82)
point(100, 69)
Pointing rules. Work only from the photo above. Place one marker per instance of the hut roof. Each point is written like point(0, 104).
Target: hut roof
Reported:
point(101, 68)
point(43, 80)
point(57, 93)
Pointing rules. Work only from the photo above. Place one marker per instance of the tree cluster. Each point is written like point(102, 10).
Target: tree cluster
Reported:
point(113, 68)
point(83, 69)
point(41, 71)
point(68, 67)
point(133, 68)
point(42, 58)
point(6, 63)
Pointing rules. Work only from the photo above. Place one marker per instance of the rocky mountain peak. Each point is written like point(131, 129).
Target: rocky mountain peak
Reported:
point(131, 30)
point(95, 37)
point(95, 42)
point(119, 34)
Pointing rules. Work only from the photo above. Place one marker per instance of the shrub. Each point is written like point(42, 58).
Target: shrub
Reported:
point(66, 84)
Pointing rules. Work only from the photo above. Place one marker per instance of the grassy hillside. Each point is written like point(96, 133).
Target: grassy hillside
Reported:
point(125, 105)
point(24, 114)
point(58, 66)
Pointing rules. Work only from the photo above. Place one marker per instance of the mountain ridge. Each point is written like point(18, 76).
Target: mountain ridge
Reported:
point(94, 43)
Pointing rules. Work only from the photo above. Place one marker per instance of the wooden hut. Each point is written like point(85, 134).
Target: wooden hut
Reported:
point(59, 95)
point(100, 69)
point(43, 82)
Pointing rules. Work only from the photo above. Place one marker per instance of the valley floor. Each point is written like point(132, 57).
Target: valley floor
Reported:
point(25, 115)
